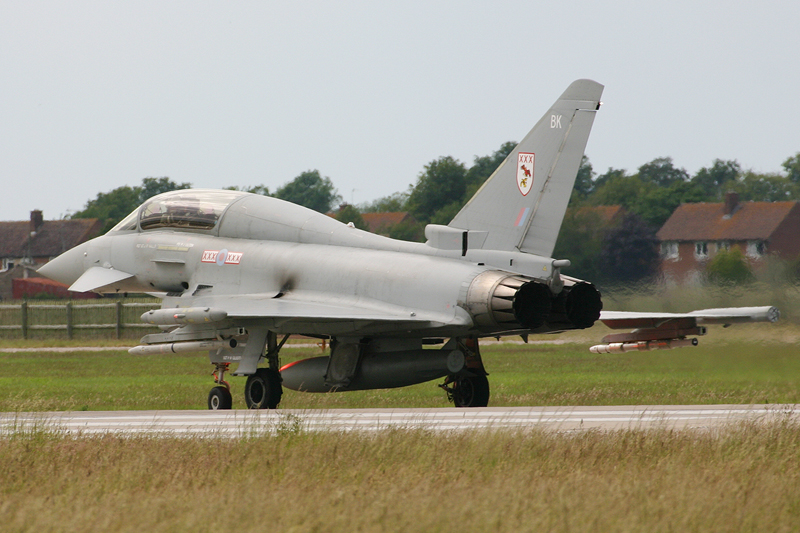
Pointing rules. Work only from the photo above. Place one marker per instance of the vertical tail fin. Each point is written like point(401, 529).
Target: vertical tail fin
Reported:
point(522, 204)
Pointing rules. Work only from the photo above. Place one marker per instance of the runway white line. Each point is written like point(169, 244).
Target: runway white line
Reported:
point(253, 423)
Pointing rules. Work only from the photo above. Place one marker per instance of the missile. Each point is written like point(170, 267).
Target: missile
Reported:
point(188, 315)
point(643, 346)
point(179, 347)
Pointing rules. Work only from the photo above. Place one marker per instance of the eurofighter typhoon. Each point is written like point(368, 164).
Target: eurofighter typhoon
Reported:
point(239, 273)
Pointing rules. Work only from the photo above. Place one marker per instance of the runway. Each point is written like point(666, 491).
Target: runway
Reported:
point(244, 423)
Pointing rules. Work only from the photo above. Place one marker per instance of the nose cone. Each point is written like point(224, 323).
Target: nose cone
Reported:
point(67, 267)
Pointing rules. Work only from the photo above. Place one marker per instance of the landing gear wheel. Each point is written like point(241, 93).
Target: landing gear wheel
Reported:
point(263, 389)
point(220, 398)
point(471, 391)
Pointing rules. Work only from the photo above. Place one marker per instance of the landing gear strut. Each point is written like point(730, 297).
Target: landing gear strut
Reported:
point(470, 387)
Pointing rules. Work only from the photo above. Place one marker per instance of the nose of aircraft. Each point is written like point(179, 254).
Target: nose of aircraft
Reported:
point(67, 267)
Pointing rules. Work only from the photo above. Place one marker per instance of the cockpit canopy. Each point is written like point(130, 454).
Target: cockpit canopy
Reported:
point(191, 209)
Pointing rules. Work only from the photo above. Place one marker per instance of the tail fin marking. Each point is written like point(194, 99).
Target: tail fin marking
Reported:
point(522, 204)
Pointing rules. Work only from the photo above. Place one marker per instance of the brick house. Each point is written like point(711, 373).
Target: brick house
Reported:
point(381, 223)
point(28, 244)
point(696, 232)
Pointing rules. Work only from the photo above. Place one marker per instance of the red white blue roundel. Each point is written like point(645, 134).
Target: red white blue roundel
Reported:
point(222, 256)
point(525, 164)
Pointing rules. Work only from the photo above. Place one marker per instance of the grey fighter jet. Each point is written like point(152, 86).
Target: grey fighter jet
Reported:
point(239, 273)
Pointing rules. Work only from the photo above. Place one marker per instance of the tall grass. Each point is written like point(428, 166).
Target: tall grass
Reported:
point(683, 298)
point(742, 478)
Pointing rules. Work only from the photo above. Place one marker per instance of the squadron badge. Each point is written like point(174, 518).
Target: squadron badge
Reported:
point(525, 161)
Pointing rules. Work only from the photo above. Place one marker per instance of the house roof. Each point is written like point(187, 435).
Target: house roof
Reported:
point(379, 221)
point(606, 213)
point(51, 238)
point(708, 222)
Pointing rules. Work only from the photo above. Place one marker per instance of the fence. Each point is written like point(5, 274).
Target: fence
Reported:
point(61, 319)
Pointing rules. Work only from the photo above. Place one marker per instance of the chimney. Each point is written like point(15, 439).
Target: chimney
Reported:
point(36, 221)
point(731, 203)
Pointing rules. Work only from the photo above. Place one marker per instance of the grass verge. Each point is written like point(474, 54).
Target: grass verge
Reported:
point(743, 478)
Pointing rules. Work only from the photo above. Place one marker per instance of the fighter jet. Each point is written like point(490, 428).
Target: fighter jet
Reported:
point(239, 273)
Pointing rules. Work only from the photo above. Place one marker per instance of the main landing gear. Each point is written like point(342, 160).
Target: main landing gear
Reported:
point(469, 387)
point(263, 388)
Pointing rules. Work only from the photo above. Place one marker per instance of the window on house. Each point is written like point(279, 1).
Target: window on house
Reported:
point(701, 250)
point(8, 264)
point(756, 249)
point(669, 250)
point(723, 246)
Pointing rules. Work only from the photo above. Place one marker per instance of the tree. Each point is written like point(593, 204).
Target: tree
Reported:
point(765, 188)
point(662, 173)
point(729, 267)
point(113, 206)
point(484, 166)
point(348, 213)
point(388, 204)
point(619, 189)
point(609, 174)
point(447, 213)
point(792, 167)
point(263, 190)
point(408, 231)
point(630, 252)
point(153, 186)
point(712, 180)
point(584, 183)
point(580, 240)
point(311, 190)
point(657, 204)
point(442, 182)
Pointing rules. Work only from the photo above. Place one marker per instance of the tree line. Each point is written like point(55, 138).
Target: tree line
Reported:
point(649, 196)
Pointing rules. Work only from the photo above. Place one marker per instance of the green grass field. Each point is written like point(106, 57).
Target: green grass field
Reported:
point(740, 478)
point(745, 364)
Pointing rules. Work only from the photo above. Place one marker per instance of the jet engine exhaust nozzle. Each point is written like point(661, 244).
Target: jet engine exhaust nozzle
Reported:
point(498, 298)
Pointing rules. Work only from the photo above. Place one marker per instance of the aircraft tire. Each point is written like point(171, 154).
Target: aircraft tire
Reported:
point(220, 398)
point(263, 389)
point(471, 391)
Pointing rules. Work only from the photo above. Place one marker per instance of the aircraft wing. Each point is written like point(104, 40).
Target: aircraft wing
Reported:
point(655, 331)
point(321, 309)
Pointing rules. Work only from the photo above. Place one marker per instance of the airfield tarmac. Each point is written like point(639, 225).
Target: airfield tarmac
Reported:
point(237, 423)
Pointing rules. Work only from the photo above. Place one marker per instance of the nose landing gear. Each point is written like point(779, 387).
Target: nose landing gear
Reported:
point(263, 389)
point(220, 396)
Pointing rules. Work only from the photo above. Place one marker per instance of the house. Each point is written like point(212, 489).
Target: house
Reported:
point(696, 232)
point(381, 223)
point(26, 245)
point(605, 216)
point(24, 288)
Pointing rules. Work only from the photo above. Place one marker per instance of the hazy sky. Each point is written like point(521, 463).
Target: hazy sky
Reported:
point(96, 95)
